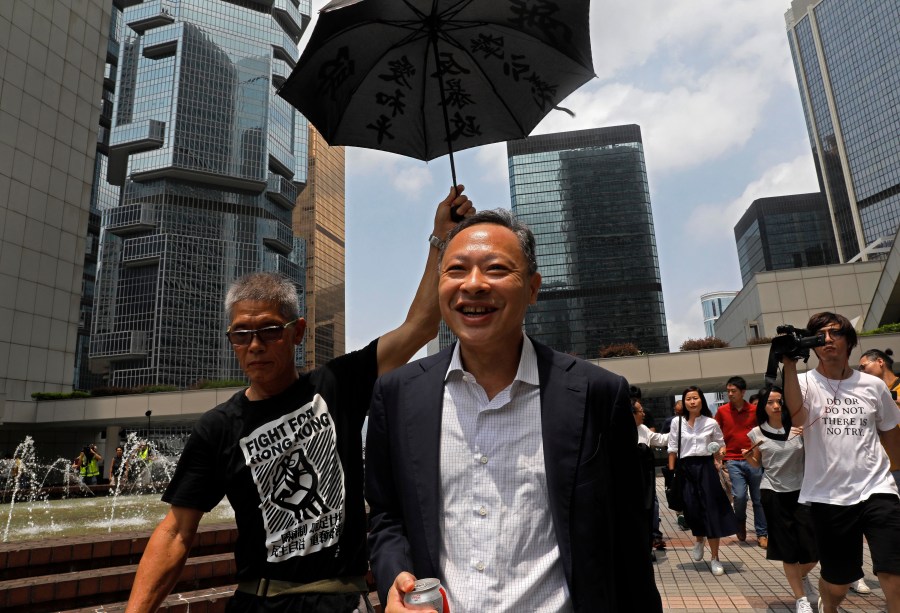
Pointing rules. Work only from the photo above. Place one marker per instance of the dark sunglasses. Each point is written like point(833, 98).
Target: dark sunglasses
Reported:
point(269, 334)
point(833, 332)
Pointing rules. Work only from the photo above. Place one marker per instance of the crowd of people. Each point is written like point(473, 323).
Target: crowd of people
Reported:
point(517, 475)
point(818, 459)
point(123, 471)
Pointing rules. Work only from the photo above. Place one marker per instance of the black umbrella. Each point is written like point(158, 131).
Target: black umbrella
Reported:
point(424, 78)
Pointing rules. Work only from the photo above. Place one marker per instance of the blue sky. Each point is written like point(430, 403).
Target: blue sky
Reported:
point(712, 87)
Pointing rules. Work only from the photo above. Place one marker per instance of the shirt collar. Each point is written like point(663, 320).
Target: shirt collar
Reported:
point(526, 373)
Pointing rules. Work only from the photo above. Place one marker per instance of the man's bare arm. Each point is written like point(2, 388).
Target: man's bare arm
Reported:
point(792, 394)
point(163, 559)
point(421, 325)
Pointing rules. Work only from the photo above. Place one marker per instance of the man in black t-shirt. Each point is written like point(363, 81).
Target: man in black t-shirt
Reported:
point(287, 452)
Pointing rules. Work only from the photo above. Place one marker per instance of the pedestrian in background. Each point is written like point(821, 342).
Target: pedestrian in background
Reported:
point(706, 507)
point(736, 418)
point(881, 364)
point(650, 439)
point(778, 448)
point(115, 471)
point(88, 464)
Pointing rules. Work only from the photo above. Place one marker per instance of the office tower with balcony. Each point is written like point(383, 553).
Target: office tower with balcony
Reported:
point(50, 86)
point(319, 220)
point(585, 196)
point(209, 160)
point(845, 59)
point(785, 232)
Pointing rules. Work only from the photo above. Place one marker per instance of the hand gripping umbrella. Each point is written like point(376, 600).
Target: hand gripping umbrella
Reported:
point(424, 78)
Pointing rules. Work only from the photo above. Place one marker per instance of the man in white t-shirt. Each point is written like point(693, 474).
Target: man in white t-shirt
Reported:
point(847, 478)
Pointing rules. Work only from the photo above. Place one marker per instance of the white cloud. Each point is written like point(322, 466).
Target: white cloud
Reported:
point(796, 176)
point(695, 273)
point(695, 76)
point(412, 180)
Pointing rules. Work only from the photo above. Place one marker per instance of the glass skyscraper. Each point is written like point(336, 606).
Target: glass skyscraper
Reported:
point(585, 196)
point(784, 232)
point(209, 160)
point(319, 220)
point(845, 57)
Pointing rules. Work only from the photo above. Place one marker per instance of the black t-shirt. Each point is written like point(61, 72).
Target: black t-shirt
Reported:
point(292, 468)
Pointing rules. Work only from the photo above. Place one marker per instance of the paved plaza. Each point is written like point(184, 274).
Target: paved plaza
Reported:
point(750, 582)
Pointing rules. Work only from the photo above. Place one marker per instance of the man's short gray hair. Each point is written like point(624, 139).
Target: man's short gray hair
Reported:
point(505, 218)
point(264, 287)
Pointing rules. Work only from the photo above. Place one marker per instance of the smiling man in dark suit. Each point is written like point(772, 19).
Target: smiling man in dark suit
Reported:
point(505, 469)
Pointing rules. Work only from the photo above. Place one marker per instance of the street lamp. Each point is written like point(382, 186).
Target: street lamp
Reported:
point(148, 414)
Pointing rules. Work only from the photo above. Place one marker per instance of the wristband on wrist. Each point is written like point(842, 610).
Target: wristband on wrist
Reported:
point(435, 242)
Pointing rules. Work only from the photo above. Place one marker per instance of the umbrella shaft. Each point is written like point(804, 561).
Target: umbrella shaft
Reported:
point(440, 76)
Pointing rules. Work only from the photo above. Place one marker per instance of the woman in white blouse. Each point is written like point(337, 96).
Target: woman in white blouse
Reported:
point(706, 508)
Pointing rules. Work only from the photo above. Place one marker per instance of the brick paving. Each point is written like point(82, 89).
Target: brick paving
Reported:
point(750, 583)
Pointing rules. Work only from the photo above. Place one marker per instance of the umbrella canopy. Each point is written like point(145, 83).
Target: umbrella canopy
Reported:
point(424, 78)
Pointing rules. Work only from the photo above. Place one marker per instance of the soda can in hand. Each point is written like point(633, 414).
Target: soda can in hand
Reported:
point(428, 594)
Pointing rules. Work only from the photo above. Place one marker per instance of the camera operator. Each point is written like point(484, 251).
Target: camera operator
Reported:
point(847, 480)
point(88, 462)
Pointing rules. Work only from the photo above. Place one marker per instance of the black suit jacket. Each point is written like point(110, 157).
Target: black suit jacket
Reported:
point(593, 471)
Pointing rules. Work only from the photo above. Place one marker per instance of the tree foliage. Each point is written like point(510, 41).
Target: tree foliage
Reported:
point(710, 342)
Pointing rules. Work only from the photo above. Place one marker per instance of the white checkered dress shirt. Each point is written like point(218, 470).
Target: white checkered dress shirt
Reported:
point(498, 547)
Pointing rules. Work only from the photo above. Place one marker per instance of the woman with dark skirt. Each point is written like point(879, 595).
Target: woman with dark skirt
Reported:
point(778, 448)
point(706, 508)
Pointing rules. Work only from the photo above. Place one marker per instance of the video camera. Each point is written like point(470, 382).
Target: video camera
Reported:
point(793, 343)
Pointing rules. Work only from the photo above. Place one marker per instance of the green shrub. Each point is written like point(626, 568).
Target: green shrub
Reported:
point(619, 350)
point(764, 340)
point(105, 390)
point(59, 395)
point(710, 342)
point(152, 389)
point(211, 384)
point(885, 329)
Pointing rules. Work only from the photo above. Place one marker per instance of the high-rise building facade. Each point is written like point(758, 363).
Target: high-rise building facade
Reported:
point(209, 160)
point(713, 305)
point(585, 196)
point(784, 232)
point(845, 58)
point(104, 196)
point(51, 82)
point(319, 220)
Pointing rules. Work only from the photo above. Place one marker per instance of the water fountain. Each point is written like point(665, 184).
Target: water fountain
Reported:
point(45, 499)
point(65, 545)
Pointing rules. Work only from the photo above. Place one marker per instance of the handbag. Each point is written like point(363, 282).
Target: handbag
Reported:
point(672, 480)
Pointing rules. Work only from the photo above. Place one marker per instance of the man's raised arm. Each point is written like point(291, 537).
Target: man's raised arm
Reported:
point(396, 347)
point(792, 393)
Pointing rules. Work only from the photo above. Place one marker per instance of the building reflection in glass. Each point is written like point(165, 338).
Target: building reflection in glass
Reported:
point(845, 59)
point(585, 196)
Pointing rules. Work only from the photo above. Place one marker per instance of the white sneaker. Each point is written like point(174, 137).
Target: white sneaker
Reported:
point(860, 587)
point(803, 605)
point(697, 553)
point(809, 588)
point(718, 570)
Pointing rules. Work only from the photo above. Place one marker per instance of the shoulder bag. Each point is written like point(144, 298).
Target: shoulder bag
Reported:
point(673, 479)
